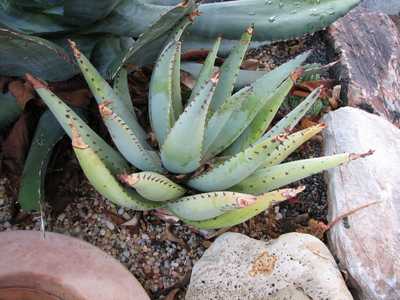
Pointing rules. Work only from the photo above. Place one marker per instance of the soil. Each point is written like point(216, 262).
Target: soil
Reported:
point(160, 254)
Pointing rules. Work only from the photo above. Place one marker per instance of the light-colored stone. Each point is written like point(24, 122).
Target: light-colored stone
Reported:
point(294, 266)
point(367, 244)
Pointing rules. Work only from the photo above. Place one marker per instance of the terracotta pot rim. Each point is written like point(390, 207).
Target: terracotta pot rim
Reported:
point(63, 267)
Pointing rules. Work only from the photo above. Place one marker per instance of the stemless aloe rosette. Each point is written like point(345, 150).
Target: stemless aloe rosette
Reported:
point(217, 165)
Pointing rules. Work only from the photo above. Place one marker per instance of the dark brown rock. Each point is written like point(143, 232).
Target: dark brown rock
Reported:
point(369, 47)
point(61, 267)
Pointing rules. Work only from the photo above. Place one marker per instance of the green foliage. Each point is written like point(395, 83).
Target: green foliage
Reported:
point(214, 190)
point(47, 134)
point(10, 110)
point(105, 30)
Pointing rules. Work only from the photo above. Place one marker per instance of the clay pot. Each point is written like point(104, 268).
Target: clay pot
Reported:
point(61, 268)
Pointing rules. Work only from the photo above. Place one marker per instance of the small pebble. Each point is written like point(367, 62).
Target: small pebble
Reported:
point(110, 225)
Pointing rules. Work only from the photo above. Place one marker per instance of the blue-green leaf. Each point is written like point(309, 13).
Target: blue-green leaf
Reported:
point(182, 149)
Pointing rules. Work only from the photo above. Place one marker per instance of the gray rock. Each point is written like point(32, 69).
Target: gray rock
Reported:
point(369, 72)
point(294, 266)
point(390, 7)
point(367, 243)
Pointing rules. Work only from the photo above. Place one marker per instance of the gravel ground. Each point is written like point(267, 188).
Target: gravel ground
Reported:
point(161, 255)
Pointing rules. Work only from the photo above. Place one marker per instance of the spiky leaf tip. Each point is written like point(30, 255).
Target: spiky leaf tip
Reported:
point(230, 70)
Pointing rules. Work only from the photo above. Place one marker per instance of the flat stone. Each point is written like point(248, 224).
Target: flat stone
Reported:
point(61, 267)
point(369, 47)
point(294, 266)
point(366, 243)
point(390, 7)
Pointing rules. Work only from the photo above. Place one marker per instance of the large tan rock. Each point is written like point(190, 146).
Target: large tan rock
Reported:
point(294, 266)
point(60, 267)
point(367, 243)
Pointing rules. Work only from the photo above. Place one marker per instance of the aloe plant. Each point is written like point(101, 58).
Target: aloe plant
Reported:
point(50, 23)
point(217, 164)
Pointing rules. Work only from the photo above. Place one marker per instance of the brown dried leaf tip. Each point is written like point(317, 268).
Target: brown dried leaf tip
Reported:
point(250, 29)
point(75, 50)
point(184, 4)
point(193, 15)
point(243, 202)
point(77, 141)
point(128, 179)
point(297, 74)
point(36, 83)
point(280, 138)
point(291, 193)
point(105, 111)
point(215, 77)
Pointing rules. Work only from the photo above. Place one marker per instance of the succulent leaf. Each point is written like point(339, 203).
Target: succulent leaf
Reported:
point(170, 17)
point(98, 160)
point(48, 133)
point(235, 169)
point(177, 106)
point(217, 133)
point(270, 178)
point(176, 68)
point(238, 216)
point(230, 70)
point(89, 11)
point(105, 49)
point(290, 144)
point(281, 20)
point(65, 115)
point(182, 149)
point(128, 136)
point(245, 77)
point(40, 57)
point(290, 121)
point(244, 111)
point(128, 144)
point(273, 20)
point(104, 181)
point(191, 41)
point(206, 70)
point(262, 120)
point(153, 186)
point(161, 108)
point(121, 89)
point(209, 205)
point(28, 21)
